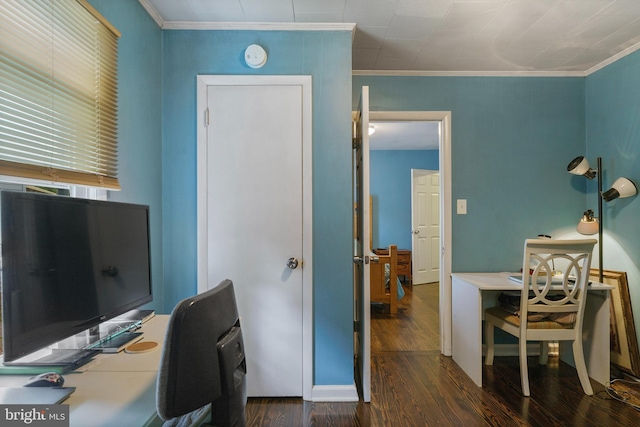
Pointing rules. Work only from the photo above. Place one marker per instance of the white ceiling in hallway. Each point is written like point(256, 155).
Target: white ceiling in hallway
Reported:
point(405, 135)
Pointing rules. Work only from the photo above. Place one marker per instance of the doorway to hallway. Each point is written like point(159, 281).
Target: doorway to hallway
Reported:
point(445, 209)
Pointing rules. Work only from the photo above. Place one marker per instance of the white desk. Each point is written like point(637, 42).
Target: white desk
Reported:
point(116, 389)
point(472, 293)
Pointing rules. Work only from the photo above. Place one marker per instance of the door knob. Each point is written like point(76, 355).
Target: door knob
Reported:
point(292, 263)
point(416, 231)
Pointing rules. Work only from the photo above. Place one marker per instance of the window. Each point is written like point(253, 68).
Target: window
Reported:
point(58, 93)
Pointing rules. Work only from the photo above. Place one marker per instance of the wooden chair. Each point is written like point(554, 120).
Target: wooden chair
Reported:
point(559, 299)
point(379, 291)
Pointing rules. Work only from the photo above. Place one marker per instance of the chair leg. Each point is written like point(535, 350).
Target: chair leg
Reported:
point(488, 337)
point(544, 352)
point(524, 372)
point(581, 367)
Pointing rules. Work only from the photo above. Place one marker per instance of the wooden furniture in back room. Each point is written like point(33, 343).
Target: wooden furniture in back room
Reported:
point(383, 287)
point(404, 262)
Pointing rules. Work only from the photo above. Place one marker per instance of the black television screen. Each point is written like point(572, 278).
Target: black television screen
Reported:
point(67, 265)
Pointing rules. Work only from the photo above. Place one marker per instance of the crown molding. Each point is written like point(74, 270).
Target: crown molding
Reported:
point(258, 26)
point(400, 73)
point(614, 58)
point(153, 13)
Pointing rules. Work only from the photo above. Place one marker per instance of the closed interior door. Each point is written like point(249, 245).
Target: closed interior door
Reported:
point(425, 208)
point(255, 224)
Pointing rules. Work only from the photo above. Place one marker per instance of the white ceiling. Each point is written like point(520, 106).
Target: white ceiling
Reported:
point(445, 37)
point(405, 136)
point(562, 37)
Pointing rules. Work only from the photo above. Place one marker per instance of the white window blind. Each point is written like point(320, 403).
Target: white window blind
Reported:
point(58, 93)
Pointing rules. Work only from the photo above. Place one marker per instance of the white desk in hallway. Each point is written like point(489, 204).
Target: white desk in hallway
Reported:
point(115, 389)
point(472, 293)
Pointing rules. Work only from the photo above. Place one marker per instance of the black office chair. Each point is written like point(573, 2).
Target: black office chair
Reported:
point(203, 367)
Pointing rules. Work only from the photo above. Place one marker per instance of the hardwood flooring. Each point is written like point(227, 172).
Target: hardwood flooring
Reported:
point(414, 385)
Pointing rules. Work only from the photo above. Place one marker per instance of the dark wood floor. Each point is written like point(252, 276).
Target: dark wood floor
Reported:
point(414, 385)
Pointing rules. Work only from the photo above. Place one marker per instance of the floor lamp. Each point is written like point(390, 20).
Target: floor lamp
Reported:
point(621, 188)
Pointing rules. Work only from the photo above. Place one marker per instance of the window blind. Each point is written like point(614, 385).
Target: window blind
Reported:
point(58, 93)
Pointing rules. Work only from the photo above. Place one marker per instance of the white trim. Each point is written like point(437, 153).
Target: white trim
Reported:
point(444, 117)
point(152, 12)
point(305, 82)
point(406, 73)
point(258, 26)
point(447, 218)
point(334, 393)
point(614, 58)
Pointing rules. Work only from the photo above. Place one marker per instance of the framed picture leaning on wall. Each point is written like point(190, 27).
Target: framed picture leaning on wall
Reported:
point(624, 341)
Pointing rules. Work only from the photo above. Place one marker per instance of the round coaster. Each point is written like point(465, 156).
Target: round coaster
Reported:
point(141, 347)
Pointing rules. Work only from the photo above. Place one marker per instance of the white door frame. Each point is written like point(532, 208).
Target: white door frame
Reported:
point(201, 163)
point(444, 117)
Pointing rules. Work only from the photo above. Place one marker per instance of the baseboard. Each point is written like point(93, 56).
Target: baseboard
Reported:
point(533, 349)
point(334, 393)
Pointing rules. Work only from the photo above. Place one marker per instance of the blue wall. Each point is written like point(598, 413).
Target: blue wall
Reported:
point(613, 133)
point(140, 121)
point(511, 141)
point(157, 137)
point(390, 177)
point(326, 56)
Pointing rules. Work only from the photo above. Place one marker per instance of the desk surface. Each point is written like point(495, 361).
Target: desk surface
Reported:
point(114, 389)
point(501, 282)
point(472, 293)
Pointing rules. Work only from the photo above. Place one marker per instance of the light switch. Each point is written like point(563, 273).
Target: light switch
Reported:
point(462, 206)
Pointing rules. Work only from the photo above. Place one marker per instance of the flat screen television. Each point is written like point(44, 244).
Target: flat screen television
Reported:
point(67, 265)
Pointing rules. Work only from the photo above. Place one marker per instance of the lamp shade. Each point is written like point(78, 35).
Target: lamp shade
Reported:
point(621, 188)
point(580, 166)
point(588, 228)
point(588, 224)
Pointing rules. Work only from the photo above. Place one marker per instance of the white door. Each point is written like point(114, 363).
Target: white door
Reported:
point(363, 254)
point(254, 224)
point(425, 219)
